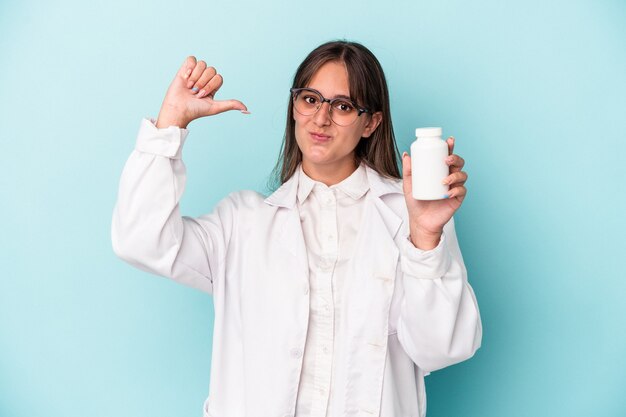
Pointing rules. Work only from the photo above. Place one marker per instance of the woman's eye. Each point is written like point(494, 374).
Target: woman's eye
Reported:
point(310, 99)
point(344, 107)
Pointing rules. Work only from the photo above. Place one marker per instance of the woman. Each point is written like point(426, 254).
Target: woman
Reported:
point(336, 294)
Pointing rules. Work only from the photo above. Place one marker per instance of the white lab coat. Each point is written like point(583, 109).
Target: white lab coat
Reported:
point(411, 311)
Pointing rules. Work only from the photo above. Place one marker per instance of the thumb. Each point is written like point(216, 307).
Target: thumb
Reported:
point(220, 106)
point(407, 183)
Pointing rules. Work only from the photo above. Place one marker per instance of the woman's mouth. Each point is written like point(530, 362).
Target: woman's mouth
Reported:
point(319, 137)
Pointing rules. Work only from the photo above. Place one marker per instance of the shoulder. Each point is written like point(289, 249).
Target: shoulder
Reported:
point(241, 208)
point(244, 200)
point(382, 184)
point(389, 189)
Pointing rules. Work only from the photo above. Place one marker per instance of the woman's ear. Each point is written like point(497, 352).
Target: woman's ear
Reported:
point(372, 124)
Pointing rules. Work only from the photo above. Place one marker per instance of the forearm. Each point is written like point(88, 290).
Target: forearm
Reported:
point(146, 223)
point(439, 322)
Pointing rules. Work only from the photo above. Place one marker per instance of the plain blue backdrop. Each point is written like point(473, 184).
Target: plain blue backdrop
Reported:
point(534, 92)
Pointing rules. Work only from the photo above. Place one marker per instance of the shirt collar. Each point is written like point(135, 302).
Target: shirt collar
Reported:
point(305, 185)
point(285, 195)
point(355, 185)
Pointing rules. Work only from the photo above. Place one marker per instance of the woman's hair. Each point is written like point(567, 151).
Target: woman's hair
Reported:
point(368, 88)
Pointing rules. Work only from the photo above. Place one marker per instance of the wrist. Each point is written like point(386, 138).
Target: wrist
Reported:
point(169, 116)
point(425, 239)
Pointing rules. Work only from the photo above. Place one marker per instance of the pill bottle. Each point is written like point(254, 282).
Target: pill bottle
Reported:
point(428, 164)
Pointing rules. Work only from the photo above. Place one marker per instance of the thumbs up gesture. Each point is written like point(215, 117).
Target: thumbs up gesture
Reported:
point(191, 94)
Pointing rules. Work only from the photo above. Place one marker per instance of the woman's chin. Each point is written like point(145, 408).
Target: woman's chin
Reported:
point(317, 158)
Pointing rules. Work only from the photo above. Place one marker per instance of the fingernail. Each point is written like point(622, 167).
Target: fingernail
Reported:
point(444, 181)
point(445, 196)
point(404, 154)
point(201, 93)
point(187, 73)
point(245, 111)
point(194, 89)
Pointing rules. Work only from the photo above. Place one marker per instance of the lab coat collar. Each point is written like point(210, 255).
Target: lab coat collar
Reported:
point(286, 194)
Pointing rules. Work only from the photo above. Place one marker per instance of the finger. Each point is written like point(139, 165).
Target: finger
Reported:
point(455, 162)
point(460, 192)
point(212, 86)
point(196, 73)
point(206, 76)
point(407, 182)
point(188, 65)
point(220, 106)
point(455, 178)
point(450, 142)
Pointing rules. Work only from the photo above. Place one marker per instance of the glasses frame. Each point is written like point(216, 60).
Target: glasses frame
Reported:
point(360, 110)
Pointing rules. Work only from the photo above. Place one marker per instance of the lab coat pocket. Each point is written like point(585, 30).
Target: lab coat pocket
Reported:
point(371, 291)
point(383, 286)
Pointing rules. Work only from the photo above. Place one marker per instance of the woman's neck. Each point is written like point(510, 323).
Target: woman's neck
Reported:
point(330, 174)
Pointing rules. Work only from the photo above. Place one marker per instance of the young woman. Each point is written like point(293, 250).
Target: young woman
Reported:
point(339, 292)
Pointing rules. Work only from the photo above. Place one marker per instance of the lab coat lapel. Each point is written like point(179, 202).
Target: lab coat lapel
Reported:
point(380, 187)
point(375, 264)
point(290, 236)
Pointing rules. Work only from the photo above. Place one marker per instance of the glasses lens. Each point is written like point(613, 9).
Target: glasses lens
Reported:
point(343, 112)
point(307, 102)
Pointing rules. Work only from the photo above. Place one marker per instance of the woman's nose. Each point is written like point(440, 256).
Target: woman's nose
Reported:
point(322, 117)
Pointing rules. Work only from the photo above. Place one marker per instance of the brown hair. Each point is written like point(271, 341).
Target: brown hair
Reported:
point(368, 87)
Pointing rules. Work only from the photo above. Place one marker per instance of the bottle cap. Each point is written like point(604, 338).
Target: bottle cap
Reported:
point(428, 132)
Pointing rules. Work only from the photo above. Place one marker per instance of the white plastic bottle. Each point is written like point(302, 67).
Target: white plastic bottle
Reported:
point(428, 164)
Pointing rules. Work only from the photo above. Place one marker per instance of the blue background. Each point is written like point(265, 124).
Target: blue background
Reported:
point(534, 92)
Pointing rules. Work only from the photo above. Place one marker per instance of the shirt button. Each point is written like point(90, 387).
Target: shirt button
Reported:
point(325, 349)
point(306, 290)
point(296, 352)
point(325, 265)
point(331, 237)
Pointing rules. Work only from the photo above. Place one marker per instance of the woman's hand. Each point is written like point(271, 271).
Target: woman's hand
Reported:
point(190, 95)
point(427, 217)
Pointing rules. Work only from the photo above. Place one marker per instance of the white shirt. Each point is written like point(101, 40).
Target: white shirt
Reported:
point(409, 311)
point(330, 218)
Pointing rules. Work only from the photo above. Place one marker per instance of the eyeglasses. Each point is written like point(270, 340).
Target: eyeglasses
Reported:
point(342, 110)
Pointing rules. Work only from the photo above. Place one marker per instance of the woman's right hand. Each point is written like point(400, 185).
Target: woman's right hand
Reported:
point(190, 95)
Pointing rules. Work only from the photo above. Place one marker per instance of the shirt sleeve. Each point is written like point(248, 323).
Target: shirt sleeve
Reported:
point(439, 323)
point(148, 230)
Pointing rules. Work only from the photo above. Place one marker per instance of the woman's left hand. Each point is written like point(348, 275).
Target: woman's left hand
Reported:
point(427, 217)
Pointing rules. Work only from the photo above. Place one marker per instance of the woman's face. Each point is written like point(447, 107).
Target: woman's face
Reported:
point(327, 147)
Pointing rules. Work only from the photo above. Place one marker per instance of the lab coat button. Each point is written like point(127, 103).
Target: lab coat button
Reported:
point(296, 352)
